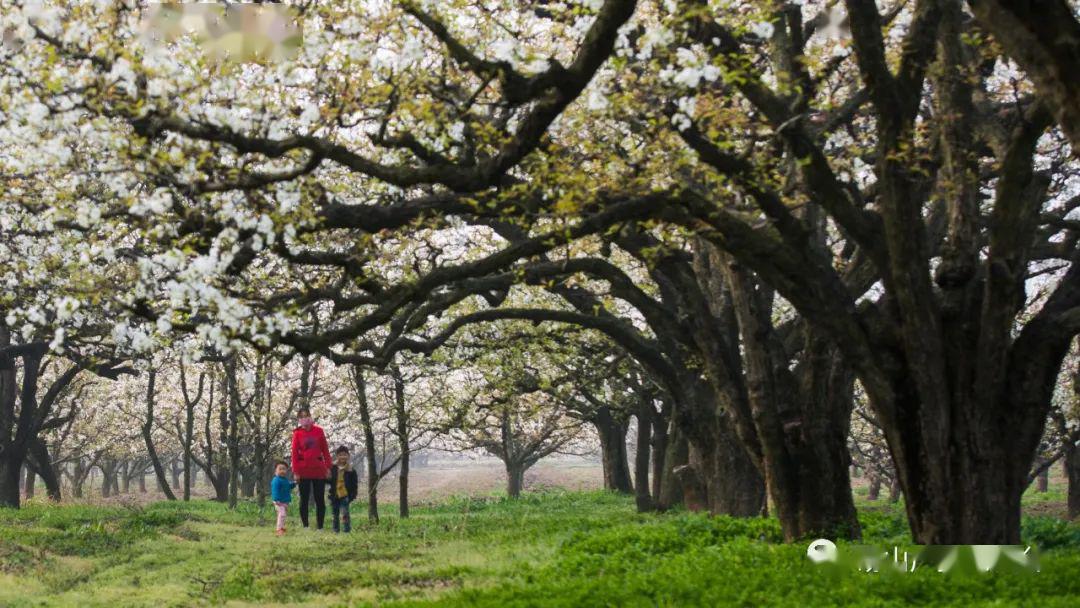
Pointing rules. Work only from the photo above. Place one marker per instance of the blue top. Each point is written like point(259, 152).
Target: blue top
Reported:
point(281, 489)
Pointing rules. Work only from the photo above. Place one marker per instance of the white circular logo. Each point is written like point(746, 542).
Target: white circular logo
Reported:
point(821, 550)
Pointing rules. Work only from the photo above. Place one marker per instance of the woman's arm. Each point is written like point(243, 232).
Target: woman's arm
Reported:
point(325, 450)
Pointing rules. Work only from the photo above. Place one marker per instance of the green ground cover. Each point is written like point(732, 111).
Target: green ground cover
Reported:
point(551, 548)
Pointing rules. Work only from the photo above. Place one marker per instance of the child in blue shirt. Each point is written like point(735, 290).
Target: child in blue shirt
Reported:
point(281, 493)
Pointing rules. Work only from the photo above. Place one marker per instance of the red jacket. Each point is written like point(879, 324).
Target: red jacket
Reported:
point(310, 453)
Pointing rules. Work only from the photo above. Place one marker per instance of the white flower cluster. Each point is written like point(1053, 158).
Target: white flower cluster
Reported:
point(690, 69)
point(658, 36)
point(683, 119)
point(763, 29)
point(158, 202)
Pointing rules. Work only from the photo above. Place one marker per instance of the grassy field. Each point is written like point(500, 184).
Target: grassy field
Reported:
point(549, 548)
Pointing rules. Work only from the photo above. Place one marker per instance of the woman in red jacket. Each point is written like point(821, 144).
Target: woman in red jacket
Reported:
point(310, 465)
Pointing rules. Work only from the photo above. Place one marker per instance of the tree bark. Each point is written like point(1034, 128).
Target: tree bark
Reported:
point(109, 479)
point(642, 497)
point(669, 494)
point(30, 482)
point(174, 473)
point(187, 432)
point(659, 452)
point(148, 437)
point(125, 478)
point(515, 479)
point(220, 483)
point(1042, 481)
point(402, 416)
point(249, 482)
point(800, 417)
point(874, 490)
point(232, 435)
point(189, 477)
point(78, 477)
point(13, 447)
point(10, 479)
point(41, 462)
point(369, 445)
point(732, 484)
point(612, 433)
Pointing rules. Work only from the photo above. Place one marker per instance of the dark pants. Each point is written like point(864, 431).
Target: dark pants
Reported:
point(340, 507)
point(318, 488)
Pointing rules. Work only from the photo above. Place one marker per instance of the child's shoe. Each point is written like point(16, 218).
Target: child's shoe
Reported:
point(280, 532)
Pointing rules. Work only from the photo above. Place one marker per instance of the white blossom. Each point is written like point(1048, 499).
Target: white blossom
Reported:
point(763, 29)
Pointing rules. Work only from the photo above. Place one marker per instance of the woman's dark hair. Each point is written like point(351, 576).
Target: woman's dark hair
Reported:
point(281, 462)
point(341, 450)
point(300, 412)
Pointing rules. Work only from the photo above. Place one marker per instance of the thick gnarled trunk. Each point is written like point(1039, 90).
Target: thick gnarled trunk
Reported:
point(515, 479)
point(963, 465)
point(731, 483)
point(667, 492)
point(10, 479)
point(612, 432)
point(796, 421)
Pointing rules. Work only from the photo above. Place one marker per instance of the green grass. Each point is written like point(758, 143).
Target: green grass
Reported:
point(552, 548)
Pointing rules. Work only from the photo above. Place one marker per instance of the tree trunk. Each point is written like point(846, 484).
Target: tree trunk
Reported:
point(247, 489)
point(961, 484)
point(78, 477)
point(676, 455)
point(403, 486)
point(809, 464)
point(142, 482)
point(732, 484)
point(174, 472)
point(874, 490)
point(10, 479)
point(642, 497)
point(799, 418)
point(125, 478)
point(402, 416)
point(1042, 481)
point(41, 462)
point(263, 472)
point(369, 445)
point(109, 479)
point(659, 453)
point(612, 433)
point(189, 475)
point(220, 483)
point(894, 491)
point(30, 483)
point(148, 438)
point(234, 476)
point(515, 479)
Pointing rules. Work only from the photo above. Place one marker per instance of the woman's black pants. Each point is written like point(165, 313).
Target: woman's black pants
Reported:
point(318, 488)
